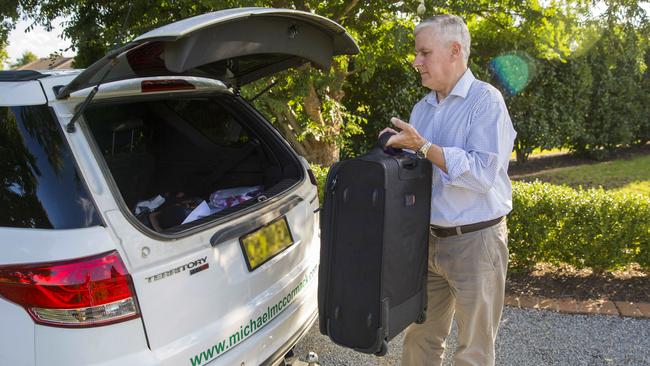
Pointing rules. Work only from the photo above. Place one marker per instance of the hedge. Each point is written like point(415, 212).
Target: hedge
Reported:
point(591, 228)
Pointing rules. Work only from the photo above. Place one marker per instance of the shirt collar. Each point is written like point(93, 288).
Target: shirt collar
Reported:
point(464, 83)
point(461, 89)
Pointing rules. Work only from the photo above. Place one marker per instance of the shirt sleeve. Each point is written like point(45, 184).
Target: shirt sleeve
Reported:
point(487, 150)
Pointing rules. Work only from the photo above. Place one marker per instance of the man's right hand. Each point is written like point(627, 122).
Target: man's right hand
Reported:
point(387, 129)
point(407, 138)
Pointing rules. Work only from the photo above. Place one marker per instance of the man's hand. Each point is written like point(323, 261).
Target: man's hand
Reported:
point(407, 138)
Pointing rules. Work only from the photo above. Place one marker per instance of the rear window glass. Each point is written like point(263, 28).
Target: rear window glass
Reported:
point(41, 187)
point(211, 119)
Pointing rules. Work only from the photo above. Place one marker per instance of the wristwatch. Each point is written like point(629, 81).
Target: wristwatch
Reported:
point(422, 151)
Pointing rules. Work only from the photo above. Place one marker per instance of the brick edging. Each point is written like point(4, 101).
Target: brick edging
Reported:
point(573, 306)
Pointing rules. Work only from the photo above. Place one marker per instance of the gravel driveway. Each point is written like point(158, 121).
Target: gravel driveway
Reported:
point(526, 337)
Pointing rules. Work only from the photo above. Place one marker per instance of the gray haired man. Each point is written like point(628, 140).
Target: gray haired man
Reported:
point(462, 126)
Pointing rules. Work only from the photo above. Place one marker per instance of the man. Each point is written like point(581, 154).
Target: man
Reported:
point(462, 126)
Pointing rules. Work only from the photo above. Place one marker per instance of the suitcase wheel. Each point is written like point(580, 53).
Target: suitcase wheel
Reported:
point(422, 318)
point(383, 350)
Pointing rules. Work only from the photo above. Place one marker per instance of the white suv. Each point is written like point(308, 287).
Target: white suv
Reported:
point(150, 216)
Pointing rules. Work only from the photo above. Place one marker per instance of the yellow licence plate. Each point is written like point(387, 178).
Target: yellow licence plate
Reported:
point(266, 242)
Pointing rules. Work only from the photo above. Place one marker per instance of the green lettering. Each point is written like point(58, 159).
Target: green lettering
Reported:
point(252, 325)
point(196, 360)
point(234, 339)
point(221, 347)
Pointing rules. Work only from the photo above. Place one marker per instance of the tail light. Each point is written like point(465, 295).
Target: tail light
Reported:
point(84, 292)
point(150, 86)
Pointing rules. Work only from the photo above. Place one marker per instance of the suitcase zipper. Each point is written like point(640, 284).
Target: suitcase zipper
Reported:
point(331, 239)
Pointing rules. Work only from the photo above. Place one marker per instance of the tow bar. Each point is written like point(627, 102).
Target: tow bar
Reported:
point(292, 360)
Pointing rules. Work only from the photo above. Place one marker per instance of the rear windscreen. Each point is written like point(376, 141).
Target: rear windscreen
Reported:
point(41, 187)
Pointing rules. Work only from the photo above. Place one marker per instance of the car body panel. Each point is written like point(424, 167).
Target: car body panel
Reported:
point(22, 93)
point(40, 245)
point(16, 335)
point(92, 346)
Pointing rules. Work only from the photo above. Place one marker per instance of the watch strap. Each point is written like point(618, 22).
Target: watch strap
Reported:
point(422, 151)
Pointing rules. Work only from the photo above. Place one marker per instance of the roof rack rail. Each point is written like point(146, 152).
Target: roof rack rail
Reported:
point(20, 75)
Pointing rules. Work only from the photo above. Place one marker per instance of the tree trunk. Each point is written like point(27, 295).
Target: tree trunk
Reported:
point(322, 153)
point(322, 150)
point(319, 144)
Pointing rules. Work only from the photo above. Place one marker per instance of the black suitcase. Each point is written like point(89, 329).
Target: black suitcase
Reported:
point(374, 246)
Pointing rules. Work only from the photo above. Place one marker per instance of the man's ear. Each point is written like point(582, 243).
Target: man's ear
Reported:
point(456, 50)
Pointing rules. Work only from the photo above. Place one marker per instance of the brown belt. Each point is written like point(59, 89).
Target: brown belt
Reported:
point(443, 232)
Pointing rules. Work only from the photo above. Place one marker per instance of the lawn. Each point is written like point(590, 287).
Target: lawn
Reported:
point(544, 152)
point(631, 175)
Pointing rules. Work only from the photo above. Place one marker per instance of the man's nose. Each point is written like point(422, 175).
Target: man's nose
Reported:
point(416, 62)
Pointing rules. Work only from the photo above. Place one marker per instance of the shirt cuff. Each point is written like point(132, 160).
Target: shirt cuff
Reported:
point(456, 163)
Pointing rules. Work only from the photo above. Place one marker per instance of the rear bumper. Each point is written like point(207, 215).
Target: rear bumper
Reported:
point(278, 356)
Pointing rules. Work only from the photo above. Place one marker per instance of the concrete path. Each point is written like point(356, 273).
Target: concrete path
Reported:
point(572, 306)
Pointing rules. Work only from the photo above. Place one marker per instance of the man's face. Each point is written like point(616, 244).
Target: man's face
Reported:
point(434, 60)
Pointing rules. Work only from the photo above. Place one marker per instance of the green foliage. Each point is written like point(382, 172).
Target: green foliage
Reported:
point(588, 83)
point(320, 173)
point(307, 105)
point(3, 55)
point(571, 80)
point(27, 57)
point(550, 112)
point(383, 83)
point(584, 228)
point(616, 104)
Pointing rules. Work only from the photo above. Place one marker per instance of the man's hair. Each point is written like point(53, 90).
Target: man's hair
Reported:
point(450, 28)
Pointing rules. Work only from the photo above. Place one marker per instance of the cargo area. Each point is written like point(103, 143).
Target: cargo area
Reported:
point(183, 161)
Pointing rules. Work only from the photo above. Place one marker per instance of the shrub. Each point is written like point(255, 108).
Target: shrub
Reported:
point(584, 228)
point(320, 173)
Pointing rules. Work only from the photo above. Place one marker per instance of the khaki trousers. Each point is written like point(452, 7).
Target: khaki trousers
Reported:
point(466, 280)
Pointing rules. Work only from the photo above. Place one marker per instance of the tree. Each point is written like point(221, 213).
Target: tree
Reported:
point(308, 106)
point(27, 57)
point(3, 55)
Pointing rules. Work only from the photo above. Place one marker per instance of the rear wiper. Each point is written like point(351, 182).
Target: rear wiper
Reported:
point(70, 128)
point(112, 56)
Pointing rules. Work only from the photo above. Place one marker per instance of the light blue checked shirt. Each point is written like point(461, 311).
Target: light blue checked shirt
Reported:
point(473, 128)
